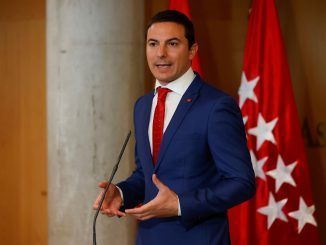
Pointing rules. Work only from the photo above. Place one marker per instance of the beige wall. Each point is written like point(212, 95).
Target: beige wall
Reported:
point(23, 184)
point(221, 29)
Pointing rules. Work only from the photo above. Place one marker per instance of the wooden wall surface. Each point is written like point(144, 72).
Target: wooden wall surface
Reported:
point(23, 184)
point(221, 27)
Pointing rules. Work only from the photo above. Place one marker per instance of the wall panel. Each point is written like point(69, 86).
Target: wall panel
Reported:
point(23, 186)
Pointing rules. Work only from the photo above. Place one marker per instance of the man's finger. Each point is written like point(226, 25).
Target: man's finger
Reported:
point(102, 184)
point(143, 217)
point(113, 212)
point(108, 213)
point(97, 201)
point(141, 210)
point(146, 217)
point(134, 211)
point(157, 182)
point(119, 213)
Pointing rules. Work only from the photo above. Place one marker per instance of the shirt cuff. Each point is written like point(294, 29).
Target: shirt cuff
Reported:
point(121, 194)
point(179, 207)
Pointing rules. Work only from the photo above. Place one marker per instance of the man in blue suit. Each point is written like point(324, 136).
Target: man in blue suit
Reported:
point(192, 161)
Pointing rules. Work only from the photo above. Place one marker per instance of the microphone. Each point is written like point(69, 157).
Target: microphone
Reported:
point(114, 170)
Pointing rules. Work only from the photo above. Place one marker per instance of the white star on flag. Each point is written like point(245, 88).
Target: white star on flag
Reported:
point(246, 90)
point(273, 210)
point(263, 131)
point(282, 173)
point(304, 215)
point(258, 165)
point(245, 120)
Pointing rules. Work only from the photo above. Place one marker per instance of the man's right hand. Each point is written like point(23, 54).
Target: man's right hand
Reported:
point(112, 201)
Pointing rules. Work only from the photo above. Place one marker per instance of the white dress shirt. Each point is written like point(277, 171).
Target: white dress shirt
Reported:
point(178, 87)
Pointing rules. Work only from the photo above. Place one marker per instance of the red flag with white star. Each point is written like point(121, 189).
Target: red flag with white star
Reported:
point(183, 7)
point(283, 211)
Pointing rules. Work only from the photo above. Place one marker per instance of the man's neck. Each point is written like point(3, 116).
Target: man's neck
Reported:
point(166, 83)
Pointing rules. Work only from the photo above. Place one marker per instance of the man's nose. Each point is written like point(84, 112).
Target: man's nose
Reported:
point(161, 52)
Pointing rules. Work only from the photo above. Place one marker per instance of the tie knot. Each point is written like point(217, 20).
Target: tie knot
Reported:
point(162, 92)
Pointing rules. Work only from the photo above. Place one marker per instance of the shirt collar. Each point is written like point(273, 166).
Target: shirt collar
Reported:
point(179, 85)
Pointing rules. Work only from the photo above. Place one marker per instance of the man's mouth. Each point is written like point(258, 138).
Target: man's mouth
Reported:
point(163, 65)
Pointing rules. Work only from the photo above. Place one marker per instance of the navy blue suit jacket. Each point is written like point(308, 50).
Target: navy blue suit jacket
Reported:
point(203, 158)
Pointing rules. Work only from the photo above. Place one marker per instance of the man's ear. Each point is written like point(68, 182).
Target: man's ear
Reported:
point(193, 50)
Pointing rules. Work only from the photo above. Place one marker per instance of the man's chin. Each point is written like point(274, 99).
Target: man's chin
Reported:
point(164, 79)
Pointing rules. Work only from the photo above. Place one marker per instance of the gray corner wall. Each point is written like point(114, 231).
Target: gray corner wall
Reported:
point(95, 67)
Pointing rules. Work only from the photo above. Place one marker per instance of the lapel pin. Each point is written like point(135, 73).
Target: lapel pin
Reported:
point(189, 100)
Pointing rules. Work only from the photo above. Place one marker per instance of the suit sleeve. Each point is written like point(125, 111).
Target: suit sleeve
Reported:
point(134, 186)
point(228, 147)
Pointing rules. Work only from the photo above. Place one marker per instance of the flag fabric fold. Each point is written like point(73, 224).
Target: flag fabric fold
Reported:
point(283, 211)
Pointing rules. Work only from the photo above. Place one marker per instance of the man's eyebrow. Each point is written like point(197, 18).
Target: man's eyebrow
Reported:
point(169, 40)
point(152, 40)
point(173, 39)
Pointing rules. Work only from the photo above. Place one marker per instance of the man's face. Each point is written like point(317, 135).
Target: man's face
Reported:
point(167, 51)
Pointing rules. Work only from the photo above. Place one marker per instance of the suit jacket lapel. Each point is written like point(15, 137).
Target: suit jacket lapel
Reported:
point(187, 100)
point(145, 146)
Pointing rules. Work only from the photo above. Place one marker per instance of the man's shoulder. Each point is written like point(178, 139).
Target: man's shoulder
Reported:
point(146, 98)
point(213, 94)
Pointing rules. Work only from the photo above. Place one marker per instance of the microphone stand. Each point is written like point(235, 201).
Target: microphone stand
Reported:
point(114, 170)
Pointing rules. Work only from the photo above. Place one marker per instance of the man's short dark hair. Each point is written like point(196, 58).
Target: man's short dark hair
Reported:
point(176, 17)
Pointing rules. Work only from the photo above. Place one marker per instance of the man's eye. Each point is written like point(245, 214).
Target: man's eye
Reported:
point(152, 44)
point(173, 44)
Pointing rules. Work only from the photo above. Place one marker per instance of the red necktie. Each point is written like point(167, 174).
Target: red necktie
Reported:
point(158, 122)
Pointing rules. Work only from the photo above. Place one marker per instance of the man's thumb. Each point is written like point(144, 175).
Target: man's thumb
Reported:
point(157, 182)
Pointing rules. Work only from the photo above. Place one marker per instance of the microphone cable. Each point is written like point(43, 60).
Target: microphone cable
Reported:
point(114, 170)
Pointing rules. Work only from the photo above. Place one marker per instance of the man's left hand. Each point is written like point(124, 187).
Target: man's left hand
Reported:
point(165, 204)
